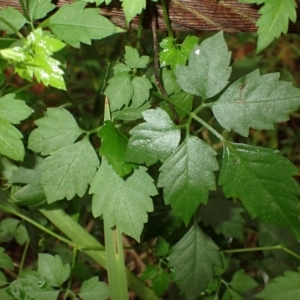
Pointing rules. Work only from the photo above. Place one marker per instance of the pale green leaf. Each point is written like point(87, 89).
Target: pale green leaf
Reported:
point(121, 68)
point(74, 24)
point(13, 110)
point(141, 87)
point(285, 287)
point(187, 176)
point(52, 269)
point(154, 140)
point(120, 202)
point(169, 81)
point(193, 259)
point(11, 20)
point(39, 9)
point(10, 141)
point(262, 179)
point(119, 91)
point(208, 70)
point(92, 289)
point(275, 16)
point(256, 101)
point(130, 113)
point(132, 8)
point(133, 59)
point(56, 130)
point(69, 170)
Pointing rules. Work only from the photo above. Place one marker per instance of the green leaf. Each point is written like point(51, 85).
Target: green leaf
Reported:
point(69, 170)
point(39, 9)
point(132, 8)
point(52, 269)
point(282, 288)
point(5, 260)
point(13, 20)
point(10, 141)
point(119, 91)
point(169, 81)
point(224, 216)
point(56, 130)
point(120, 202)
point(161, 247)
point(133, 59)
point(98, 2)
point(256, 101)
point(187, 176)
point(242, 283)
point(33, 288)
point(92, 289)
point(188, 44)
point(275, 16)
point(113, 147)
point(193, 258)
point(141, 87)
point(154, 140)
point(21, 235)
point(273, 196)
point(8, 229)
point(13, 110)
point(121, 68)
point(74, 24)
point(130, 113)
point(208, 70)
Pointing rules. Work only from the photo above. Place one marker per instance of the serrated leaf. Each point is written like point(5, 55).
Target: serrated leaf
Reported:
point(12, 17)
point(154, 140)
point(10, 141)
point(120, 202)
point(263, 180)
point(141, 87)
point(5, 260)
point(132, 8)
point(188, 44)
point(282, 288)
point(193, 258)
point(121, 68)
point(13, 110)
point(56, 130)
point(241, 282)
point(130, 113)
point(275, 16)
point(69, 171)
point(187, 176)
point(113, 147)
point(133, 59)
point(98, 2)
point(39, 9)
point(224, 216)
point(160, 282)
point(74, 24)
point(256, 101)
point(119, 91)
point(92, 289)
point(32, 288)
point(52, 269)
point(208, 70)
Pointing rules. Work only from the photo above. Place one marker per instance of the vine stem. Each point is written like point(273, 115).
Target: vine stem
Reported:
point(166, 18)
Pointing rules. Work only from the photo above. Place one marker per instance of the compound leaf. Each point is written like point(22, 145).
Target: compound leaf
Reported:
point(38, 9)
point(133, 59)
point(56, 130)
point(154, 140)
point(208, 70)
point(256, 101)
point(187, 176)
point(282, 287)
point(52, 269)
point(193, 259)
point(69, 170)
point(92, 289)
point(120, 202)
point(13, 110)
point(132, 8)
point(262, 179)
point(74, 24)
point(12, 17)
point(275, 16)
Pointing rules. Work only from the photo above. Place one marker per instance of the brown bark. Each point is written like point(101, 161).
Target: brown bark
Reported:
point(206, 15)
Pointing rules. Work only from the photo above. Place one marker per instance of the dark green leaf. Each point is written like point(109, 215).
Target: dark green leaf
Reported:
point(154, 140)
point(5, 260)
point(262, 179)
point(160, 282)
point(161, 247)
point(74, 24)
point(120, 202)
point(256, 101)
point(208, 70)
point(52, 269)
point(12, 17)
point(242, 283)
point(38, 9)
point(56, 130)
point(92, 289)
point(193, 258)
point(187, 176)
point(69, 171)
